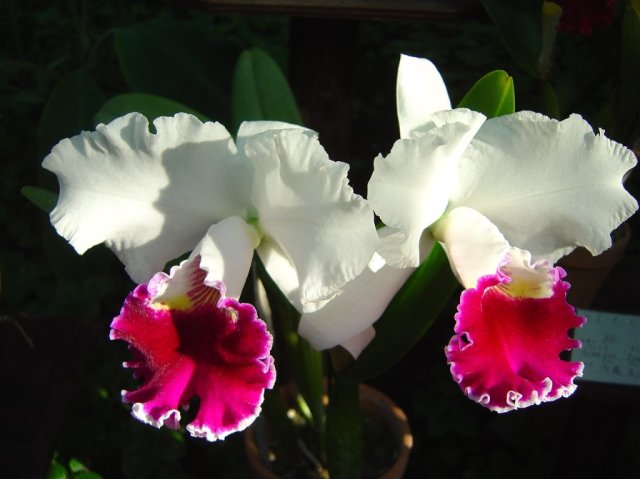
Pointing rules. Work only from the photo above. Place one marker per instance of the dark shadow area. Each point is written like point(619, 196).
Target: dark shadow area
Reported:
point(61, 377)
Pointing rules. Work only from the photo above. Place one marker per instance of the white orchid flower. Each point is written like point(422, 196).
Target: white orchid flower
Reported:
point(480, 187)
point(152, 197)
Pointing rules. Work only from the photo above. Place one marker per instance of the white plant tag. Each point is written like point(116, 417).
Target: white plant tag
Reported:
point(610, 347)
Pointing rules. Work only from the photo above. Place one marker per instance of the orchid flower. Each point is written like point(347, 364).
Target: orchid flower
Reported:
point(189, 340)
point(484, 189)
point(152, 197)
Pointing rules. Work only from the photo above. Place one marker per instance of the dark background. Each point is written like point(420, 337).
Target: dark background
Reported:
point(60, 377)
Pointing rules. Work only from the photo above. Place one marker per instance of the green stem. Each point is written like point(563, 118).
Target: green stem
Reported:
point(344, 430)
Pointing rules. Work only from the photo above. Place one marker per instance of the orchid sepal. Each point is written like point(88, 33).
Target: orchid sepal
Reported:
point(427, 290)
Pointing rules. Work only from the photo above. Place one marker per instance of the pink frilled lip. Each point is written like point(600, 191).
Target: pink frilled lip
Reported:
point(194, 343)
point(505, 354)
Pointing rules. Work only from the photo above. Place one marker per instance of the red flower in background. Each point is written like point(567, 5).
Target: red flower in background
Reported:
point(582, 16)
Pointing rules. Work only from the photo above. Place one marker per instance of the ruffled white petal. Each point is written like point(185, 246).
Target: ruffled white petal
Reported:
point(420, 91)
point(410, 188)
point(248, 129)
point(440, 119)
point(362, 302)
point(149, 197)
point(226, 252)
point(305, 204)
point(549, 186)
point(347, 319)
point(475, 247)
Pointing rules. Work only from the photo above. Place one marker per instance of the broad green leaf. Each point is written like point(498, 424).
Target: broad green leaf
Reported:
point(44, 199)
point(180, 61)
point(69, 110)
point(151, 106)
point(492, 95)
point(519, 24)
point(261, 91)
point(408, 316)
point(344, 430)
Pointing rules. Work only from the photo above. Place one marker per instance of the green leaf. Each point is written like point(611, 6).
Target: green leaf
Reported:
point(76, 466)
point(80, 471)
point(408, 316)
point(69, 110)
point(151, 106)
point(344, 430)
point(87, 475)
point(57, 471)
point(519, 24)
point(261, 91)
point(180, 61)
point(493, 95)
point(44, 199)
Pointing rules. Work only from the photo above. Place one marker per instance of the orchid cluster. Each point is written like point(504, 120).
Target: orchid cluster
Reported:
point(505, 197)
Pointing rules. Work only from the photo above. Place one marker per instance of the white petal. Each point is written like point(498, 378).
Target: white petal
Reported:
point(360, 341)
point(474, 245)
point(347, 318)
point(420, 91)
point(247, 129)
point(362, 302)
point(549, 186)
point(281, 270)
point(439, 119)
point(226, 252)
point(305, 204)
point(410, 188)
point(149, 197)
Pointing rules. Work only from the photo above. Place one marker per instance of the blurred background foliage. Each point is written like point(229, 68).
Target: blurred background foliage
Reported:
point(67, 65)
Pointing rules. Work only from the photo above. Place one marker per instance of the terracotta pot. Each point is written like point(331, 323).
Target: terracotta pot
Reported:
point(374, 404)
point(587, 273)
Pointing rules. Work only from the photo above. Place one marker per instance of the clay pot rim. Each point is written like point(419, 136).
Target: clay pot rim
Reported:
point(371, 400)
